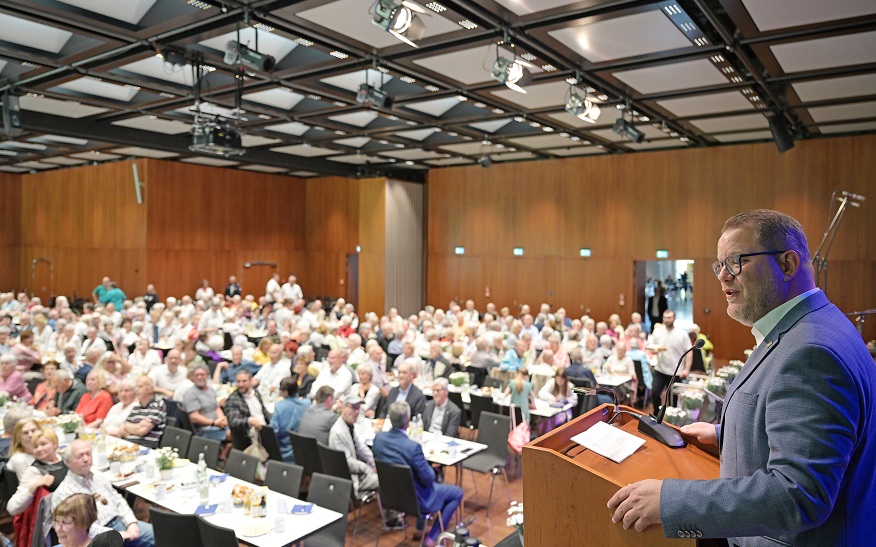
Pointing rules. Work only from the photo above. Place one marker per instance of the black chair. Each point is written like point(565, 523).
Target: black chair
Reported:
point(480, 404)
point(456, 398)
point(381, 408)
point(170, 421)
point(492, 431)
point(585, 402)
point(334, 463)
point(320, 353)
point(332, 493)
point(476, 375)
point(213, 536)
point(174, 528)
point(284, 478)
point(208, 447)
point(642, 391)
point(306, 453)
point(269, 440)
point(8, 484)
point(398, 493)
point(184, 421)
point(494, 383)
point(172, 407)
point(175, 437)
point(241, 465)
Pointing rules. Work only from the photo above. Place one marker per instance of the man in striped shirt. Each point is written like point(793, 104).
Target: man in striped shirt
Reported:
point(145, 423)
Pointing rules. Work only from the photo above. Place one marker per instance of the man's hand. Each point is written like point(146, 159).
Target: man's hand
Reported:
point(256, 423)
point(222, 421)
point(637, 504)
point(132, 532)
point(705, 433)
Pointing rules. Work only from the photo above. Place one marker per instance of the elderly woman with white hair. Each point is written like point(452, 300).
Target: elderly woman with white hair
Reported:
point(366, 390)
point(144, 358)
point(115, 419)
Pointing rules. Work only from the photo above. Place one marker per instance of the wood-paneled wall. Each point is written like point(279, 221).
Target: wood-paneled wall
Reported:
point(625, 207)
point(10, 231)
point(372, 238)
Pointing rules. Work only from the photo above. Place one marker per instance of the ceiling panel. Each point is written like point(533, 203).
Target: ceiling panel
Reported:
point(25, 32)
point(731, 123)
point(843, 112)
point(829, 88)
point(129, 11)
point(746, 136)
point(657, 79)
point(144, 152)
point(833, 51)
point(707, 104)
point(151, 123)
point(777, 14)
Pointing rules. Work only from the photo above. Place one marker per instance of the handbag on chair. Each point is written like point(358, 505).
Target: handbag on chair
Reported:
point(519, 434)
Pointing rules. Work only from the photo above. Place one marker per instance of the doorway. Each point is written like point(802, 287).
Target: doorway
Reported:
point(255, 277)
point(676, 276)
point(353, 280)
point(42, 279)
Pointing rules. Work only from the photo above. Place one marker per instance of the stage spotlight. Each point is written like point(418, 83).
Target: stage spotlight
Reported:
point(628, 130)
point(782, 134)
point(370, 96)
point(237, 53)
point(582, 108)
point(511, 73)
point(399, 20)
point(485, 161)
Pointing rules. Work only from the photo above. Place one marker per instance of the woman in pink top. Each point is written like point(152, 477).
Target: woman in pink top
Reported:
point(11, 381)
point(96, 402)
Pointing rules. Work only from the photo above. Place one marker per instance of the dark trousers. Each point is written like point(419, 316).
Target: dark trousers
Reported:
point(658, 384)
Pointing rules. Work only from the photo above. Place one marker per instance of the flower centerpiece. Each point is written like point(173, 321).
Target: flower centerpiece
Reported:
point(70, 424)
point(515, 518)
point(164, 459)
point(4, 398)
point(458, 379)
point(717, 385)
point(728, 373)
point(676, 416)
point(693, 399)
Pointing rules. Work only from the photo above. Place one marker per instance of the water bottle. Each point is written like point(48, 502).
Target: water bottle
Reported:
point(203, 482)
point(419, 428)
point(101, 447)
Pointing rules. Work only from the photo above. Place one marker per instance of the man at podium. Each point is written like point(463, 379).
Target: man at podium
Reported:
point(798, 430)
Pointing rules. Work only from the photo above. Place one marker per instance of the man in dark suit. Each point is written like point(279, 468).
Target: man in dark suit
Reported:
point(797, 434)
point(441, 415)
point(395, 447)
point(318, 420)
point(406, 391)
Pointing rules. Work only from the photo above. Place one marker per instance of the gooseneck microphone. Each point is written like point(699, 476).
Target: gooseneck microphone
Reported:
point(654, 426)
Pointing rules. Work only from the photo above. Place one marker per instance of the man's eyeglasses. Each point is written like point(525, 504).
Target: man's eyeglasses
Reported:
point(733, 263)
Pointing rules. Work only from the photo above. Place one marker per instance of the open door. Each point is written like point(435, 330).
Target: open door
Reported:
point(675, 279)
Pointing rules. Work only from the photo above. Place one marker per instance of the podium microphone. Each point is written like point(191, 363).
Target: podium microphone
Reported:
point(654, 426)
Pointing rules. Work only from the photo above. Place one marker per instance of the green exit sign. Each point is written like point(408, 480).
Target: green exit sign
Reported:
point(662, 253)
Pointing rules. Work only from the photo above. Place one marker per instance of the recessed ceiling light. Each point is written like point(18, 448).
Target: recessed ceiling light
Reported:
point(263, 27)
point(528, 56)
point(304, 42)
point(461, 98)
point(498, 111)
point(572, 81)
point(479, 105)
point(408, 79)
point(468, 25)
point(338, 54)
point(431, 87)
point(198, 4)
point(436, 7)
point(549, 68)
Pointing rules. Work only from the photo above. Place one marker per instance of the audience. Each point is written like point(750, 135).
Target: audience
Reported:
point(245, 411)
point(21, 449)
point(287, 416)
point(319, 418)
point(147, 419)
point(96, 402)
point(406, 390)
point(11, 380)
point(114, 423)
point(441, 416)
point(201, 403)
point(46, 471)
point(360, 460)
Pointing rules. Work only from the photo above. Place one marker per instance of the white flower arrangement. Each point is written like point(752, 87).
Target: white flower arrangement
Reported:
point(458, 378)
point(675, 416)
point(717, 385)
point(69, 423)
point(693, 399)
point(164, 457)
point(515, 516)
point(4, 397)
point(736, 363)
point(728, 373)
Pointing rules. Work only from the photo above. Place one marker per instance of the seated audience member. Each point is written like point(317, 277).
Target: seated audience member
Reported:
point(436, 366)
point(10, 420)
point(96, 402)
point(513, 360)
point(92, 341)
point(395, 447)
point(576, 368)
point(11, 380)
point(376, 359)
point(301, 375)
point(144, 358)
point(334, 374)
point(114, 423)
point(558, 389)
point(112, 509)
point(592, 355)
point(262, 353)
point(114, 371)
point(25, 353)
point(45, 392)
point(245, 411)
point(147, 419)
point(200, 402)
point(287, 416)
point(482, 358)
point(619, 362)
point(21, 449)
point(366, 390)
point(226, 371)
point(47, 471)
point(70, 363)
point(441, 415)
point(359, 457)
point(88, 363)
point(277, 368)
point(168, 376)
point(69, 392)
point(406, 390)
point(319, 418)
point(75, 523)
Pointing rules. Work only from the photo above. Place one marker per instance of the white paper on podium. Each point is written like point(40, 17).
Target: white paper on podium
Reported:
point(610, 442)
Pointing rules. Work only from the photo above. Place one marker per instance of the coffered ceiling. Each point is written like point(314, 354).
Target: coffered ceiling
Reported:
point(693, 73)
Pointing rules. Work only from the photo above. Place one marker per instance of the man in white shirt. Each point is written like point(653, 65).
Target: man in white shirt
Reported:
point(291, 289)
point(669, 343)
point(169, 376)
point(270, 374)
point(273, 291)
point(92, 340)
point(212, 319)
point(334, 374)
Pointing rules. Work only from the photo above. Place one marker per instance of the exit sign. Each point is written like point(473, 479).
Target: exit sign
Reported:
point(662, 253)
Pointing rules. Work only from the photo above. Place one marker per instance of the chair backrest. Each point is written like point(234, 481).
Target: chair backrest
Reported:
point(456, 398)
point(495, 383)
point(284, 478)
point(334, 462)
point(170, 421)
point(174, 409)
point(212, 536)
point(306, 453)
point(174, 528)
point(332, 493)
point(175, 437)
point(320, 353)
point(585, 402)
point(397, 491)
point(184, 421)
point(208, 447)
point(481, 404)
point(9, 484)
point(493, 431)
point(269, 440)
point(241, 465)
point(518, 413)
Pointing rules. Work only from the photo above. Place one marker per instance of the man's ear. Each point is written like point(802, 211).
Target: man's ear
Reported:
point(789, 262)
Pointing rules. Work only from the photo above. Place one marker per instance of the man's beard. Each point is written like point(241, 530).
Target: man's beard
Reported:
point(759, 301)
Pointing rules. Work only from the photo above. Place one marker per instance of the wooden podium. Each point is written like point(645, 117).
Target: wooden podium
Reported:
point(565, 496)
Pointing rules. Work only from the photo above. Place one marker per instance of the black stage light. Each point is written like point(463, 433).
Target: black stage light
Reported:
point(370, 96)
point(237, 53)
point(781, 132)
point(628, 130)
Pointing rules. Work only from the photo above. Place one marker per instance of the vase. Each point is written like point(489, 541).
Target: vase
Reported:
point(69, 437)
point(520, 535)
point(165, 474)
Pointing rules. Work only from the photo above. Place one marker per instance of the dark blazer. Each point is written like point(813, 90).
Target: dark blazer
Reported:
point(237, 413)
point(415, 398)
point(394, 446)
point(304, 388)
point(450, 424)
point(797, 440)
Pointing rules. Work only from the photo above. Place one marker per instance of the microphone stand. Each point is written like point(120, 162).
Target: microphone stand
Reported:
point(819, 261)
point(653, 426)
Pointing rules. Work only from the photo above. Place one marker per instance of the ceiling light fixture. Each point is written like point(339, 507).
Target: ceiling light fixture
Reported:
point(240, 54)
point(512, 73)
point(582, 108)
point(400, 19)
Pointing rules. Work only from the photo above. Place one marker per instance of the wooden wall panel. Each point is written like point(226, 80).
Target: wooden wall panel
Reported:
point(372, 238)
point(332, 227)
point(87, 221)
point(625, 207)
point(10, 231)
